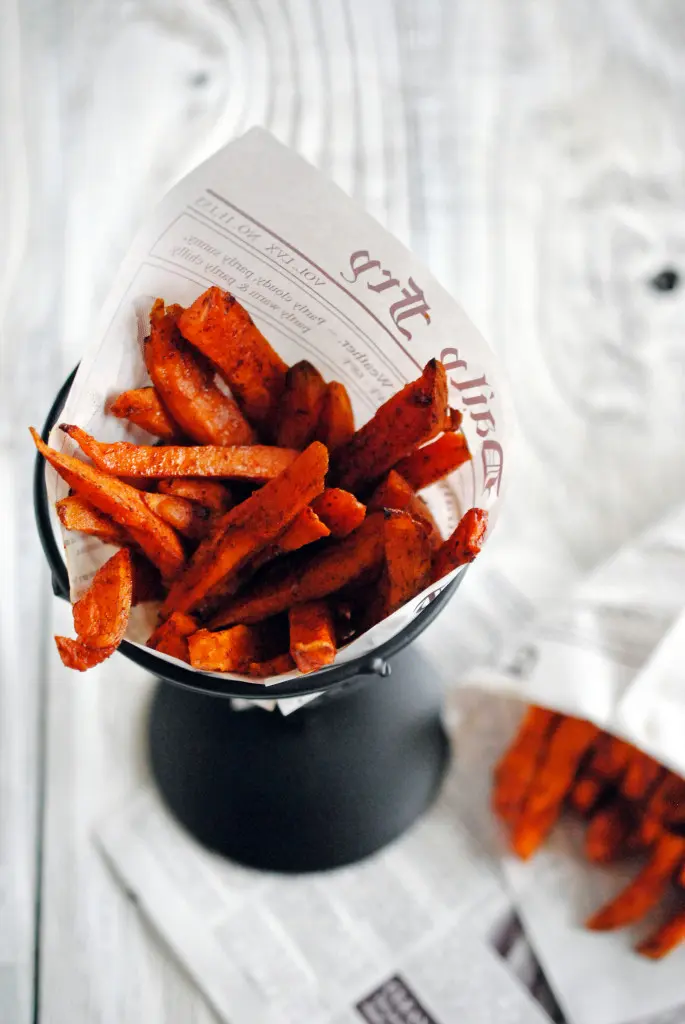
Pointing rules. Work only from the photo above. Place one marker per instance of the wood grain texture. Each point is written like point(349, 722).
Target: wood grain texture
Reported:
point(531, 153)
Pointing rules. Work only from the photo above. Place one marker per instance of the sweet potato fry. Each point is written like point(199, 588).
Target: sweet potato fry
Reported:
point(612, 833)
point(143, 407)
point(210, 493)
point(645, 891)
point(667, 795)
point(147, 582)
point(453, 420)
point(336, 419)
point(516, 769)
point(395, 492)
point(246, 462)
point(77, 514)
point(642, 774)
point(665, 939)
point(305, 528)
point(339, 510)
point(232, 650)
point(186, 385)
point(189, 518)
point(300, 406)
point(312, 635)
point(427, 465)
point(101, 615)
point(544, 799)
point(313, 577)
point(585, 794)
point(223, 331)
point(171, 637)
point(407, 565)
point(463, 545)
point(248, 528)
point(123, 503)
point(276, 666)
point(604, 766)
point(79, 656)
point(411, 417)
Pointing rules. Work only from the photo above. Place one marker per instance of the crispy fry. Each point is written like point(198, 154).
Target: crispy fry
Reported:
point(248, 528)
point(312, 636)
point(300, 406)
point(79, 656)
point(210, 493)
point(101, 615)
point(336, 419)
point(411, 417)
point(78, 514)
point(171, 637)
point(463, 545)
point(427, 465)
point(143, 407)
point(612, 834)
point(642, 774)
point(645, 891)
point(276, 666)
point(220, 328)
point(229, 651)
point(407, 565)
point(544, 799)
point(123, 503)
point(339, 510)
point(395, 492)
point(305, 528)
point(516, 769)
point(189, 518)
point(147, 582)
point(309, 579)
point(245, 462)
point(187, 388)
point(665, 938)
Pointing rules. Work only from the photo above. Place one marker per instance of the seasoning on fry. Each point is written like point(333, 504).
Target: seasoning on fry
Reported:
point(144, 408)
point(427, 465)
point(312, 635)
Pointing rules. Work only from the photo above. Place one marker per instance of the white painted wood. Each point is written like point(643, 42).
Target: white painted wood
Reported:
point(512, 142)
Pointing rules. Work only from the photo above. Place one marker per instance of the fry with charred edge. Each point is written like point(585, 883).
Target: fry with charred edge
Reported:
point(427, 465)
point(395, 492)
point(79, 656)
point(516, 769)
point(409, 418)
point(229, 651)
point(312, 635)
point(612, 833)
point(101, 615)
point(189, 518)
point(213, 495)
point(245, 462)
point(310, 579)
point(143, 407)
point(407, 565)
point(336, 419)
point(171, 637)
point(641, 775)
point(300, 406)
point(123, 503)
point(463, 545)
point(545, 797)
point(223, 331)
point(248, 528)
point(78, 514)
point(187, 387)
point(339, 510)
point(645, 891)
point(665, 938)
point(277, 666)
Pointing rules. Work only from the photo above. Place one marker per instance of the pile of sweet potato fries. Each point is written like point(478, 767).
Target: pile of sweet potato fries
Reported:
point(271, 530)
point(633, 806)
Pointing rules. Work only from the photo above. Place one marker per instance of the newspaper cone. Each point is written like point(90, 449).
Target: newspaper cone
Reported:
point(323, 281)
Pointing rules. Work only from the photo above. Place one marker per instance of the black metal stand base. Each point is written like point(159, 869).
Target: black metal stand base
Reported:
point(323, 787)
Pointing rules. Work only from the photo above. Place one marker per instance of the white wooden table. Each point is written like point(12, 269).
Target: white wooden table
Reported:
point(532, 153)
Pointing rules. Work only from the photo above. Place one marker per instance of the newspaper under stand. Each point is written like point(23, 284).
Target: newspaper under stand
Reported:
point(305, 792)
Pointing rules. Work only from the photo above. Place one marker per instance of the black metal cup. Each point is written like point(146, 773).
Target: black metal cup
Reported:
point(323, 787)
